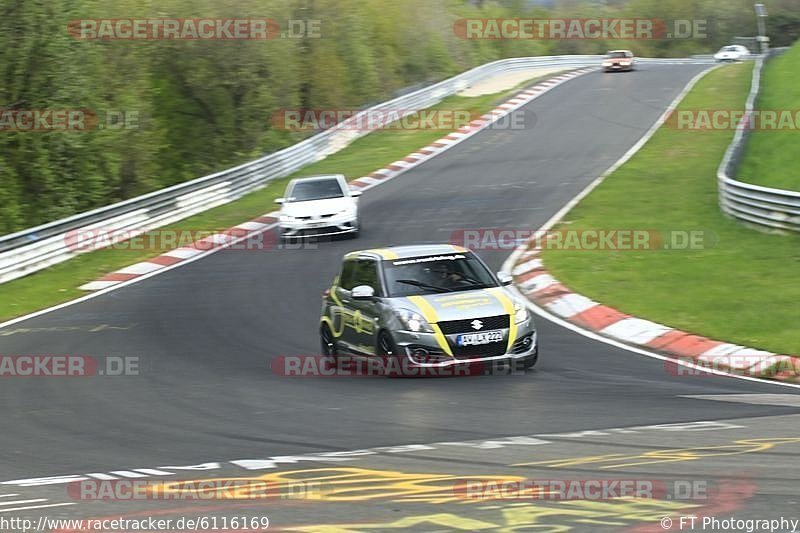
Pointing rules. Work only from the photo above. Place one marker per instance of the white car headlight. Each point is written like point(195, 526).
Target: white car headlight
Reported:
point(413, 321)
point(286, 218)
point(520, 312)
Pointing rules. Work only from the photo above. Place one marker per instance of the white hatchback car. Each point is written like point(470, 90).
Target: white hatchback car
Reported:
point(733, 52)
point(318, 205)
point(618, 60)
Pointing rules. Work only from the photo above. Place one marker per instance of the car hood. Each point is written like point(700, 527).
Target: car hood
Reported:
point(328, 206)
point(460, 305)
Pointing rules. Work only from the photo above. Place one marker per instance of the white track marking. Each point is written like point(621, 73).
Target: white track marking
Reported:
point(139, 268)
point(635, 330)
point(18, 502)
point(97, 285)
point(351, 455)
point(251, 225)
point(154, 472)
point(786, 400)
point(571, 304)
point(128, 473)
point(36, 507)
point(185, 252)
point(8, 495)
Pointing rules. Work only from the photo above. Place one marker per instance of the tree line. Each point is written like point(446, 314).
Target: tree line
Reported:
point(166, 111)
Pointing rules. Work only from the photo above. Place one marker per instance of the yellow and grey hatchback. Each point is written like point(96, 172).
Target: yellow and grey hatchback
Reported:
point(432, 305)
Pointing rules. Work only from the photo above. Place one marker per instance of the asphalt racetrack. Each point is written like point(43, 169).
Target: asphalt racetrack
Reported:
point(206, 396)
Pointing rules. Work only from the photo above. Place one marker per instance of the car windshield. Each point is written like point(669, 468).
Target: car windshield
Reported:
point(616, 54)
point(315, 190)
point(730, 49)
point(436, 274)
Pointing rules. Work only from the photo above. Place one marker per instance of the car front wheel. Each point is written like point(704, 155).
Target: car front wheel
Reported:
point(386, 349)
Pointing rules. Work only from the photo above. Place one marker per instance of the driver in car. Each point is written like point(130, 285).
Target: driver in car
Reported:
point(445, 276)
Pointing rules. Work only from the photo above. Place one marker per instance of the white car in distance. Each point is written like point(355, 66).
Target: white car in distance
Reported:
point(733, 52)
point(317, 206)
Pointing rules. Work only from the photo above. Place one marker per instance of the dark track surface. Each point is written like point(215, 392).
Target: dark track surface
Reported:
point(205, 333)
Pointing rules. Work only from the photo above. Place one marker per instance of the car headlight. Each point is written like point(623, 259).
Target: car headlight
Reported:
point(520, 312)
point(413, 321)
point(606, 63)
point(286, 218)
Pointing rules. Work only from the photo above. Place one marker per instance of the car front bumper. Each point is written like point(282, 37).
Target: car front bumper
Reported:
point(422, 350)
point(610, 68)
point(317, 227)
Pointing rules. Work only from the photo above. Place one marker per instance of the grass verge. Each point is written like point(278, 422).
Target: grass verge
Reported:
point(741, 286)
point(772, 156)
point(60, 283)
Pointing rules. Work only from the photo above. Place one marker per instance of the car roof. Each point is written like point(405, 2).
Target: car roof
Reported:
point(612, 51)
point(319, 177)
point(408, 251)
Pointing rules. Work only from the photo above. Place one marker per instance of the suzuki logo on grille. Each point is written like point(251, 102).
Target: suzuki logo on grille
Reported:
point(476, 324)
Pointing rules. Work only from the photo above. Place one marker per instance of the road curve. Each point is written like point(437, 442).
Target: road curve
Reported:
point(205, 333)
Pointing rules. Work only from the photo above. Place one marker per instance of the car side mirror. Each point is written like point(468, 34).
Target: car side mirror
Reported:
point(505, 278)
point(363, 292)
point(280, 200)
point(356, 194)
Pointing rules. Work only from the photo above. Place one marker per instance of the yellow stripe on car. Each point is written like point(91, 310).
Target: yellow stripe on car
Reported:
point(508, 305)
point(338, 302)
point(329, 322)
point(429, 313)
point(386, 254)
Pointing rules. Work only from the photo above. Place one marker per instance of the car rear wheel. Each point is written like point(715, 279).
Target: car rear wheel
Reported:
point(328, 344)
point(329, 349)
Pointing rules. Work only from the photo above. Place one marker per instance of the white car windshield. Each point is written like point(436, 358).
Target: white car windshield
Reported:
point(304, 191)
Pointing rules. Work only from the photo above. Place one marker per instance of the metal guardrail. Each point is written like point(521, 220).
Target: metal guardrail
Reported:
point(763, 207)
point(33, 249)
